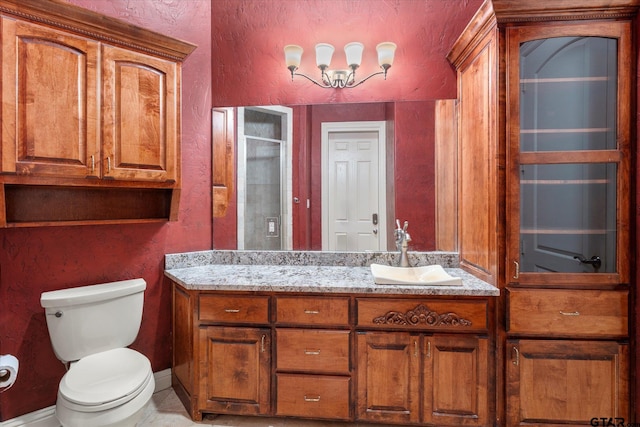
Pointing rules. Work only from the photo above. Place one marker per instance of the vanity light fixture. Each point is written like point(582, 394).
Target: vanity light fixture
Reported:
point(339, 79)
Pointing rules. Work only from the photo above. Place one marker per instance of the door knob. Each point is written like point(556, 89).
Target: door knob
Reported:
point(595, 261)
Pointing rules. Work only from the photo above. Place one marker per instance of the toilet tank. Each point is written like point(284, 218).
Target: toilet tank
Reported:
point(91, 319)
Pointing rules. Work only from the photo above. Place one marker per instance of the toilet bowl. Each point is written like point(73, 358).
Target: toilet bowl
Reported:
point(107, 383)
point(110, 388)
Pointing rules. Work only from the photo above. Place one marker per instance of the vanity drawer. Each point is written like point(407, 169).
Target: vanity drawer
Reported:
point(417, 314)
point(234, 309)
point(313, 396)
point(312, 311)
point(313, 350)
point(589, 313)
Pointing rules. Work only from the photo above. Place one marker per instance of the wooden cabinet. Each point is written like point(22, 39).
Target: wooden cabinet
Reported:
point(401, 360)
point(433, 379)
point(235, 362)
point(140, 104)
point(89, 104)
point(544, 129)
point(389, 377)
point(457, 372)
point(313, 357)
point(235, 370)
point(50, 102)
point(557, 382)
point(408, 376)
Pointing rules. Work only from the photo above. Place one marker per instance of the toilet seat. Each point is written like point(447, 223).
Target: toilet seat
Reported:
point(105, 380)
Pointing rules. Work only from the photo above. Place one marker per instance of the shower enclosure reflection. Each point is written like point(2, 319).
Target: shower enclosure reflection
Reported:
point(264, 178)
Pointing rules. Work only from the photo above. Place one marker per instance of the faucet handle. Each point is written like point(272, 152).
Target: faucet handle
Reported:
point(406, 225)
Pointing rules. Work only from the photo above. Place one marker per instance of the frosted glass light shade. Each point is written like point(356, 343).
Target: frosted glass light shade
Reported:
point(354, 53)
point(293, 55)
point(386, 52)
point(324, 52)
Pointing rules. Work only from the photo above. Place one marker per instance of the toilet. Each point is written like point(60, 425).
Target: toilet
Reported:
point(106, 383)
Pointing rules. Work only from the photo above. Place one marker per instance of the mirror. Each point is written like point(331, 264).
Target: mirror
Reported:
point(281, 197)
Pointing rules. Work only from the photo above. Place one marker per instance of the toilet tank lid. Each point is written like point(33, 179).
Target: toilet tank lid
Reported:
point(91, 293)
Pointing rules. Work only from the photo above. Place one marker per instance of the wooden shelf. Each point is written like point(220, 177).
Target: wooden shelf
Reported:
point(36, 205)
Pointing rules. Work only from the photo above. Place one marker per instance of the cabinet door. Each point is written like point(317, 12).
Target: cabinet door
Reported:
point(140, 117)
point(49, 105)
point(388, 377)
point(455, 380)
point(569, 137)
point(235, 370)
point(566, 382)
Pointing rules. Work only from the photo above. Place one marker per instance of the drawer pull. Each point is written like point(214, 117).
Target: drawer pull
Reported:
point(311, 398)
point(232, 310)
point(516, 361)
point(312, 352)
point(517, 265)
point(262, 340)
point(311, 312)
point(428, 349)
point(570, 313)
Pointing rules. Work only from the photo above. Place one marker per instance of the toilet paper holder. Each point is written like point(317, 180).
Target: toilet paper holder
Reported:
point(4, 373)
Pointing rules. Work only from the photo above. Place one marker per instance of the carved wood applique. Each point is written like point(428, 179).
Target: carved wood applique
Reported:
point(421, 315)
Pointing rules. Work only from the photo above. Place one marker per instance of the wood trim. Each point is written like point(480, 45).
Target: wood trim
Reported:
point(560, 157)
point(71, 18)
point(565, 10)
point(482, 23)
point(3, 207)
point(446, 159)
point(223, 155)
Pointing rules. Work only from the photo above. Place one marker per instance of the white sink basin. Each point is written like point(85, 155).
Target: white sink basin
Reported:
point(426, 275)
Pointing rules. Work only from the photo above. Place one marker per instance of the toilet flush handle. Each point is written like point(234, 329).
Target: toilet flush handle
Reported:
point(57, 314)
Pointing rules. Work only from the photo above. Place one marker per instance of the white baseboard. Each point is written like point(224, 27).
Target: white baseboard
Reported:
point(162, 379)
point(46, 417)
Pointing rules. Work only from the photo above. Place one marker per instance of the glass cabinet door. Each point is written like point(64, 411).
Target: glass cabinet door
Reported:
point(568, 148)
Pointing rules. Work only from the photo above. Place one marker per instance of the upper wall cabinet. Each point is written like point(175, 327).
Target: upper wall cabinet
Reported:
point(50, 106)
point(140, 117)
point(88, 101)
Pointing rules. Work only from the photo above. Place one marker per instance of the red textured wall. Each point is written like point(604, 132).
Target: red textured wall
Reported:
point(414, 171)
point(248, 56)
point(34, 260)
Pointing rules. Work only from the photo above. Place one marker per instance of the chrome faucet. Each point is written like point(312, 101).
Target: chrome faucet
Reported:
point(402, 240)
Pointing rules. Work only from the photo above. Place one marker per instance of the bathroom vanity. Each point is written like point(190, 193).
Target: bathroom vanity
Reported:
point(310, 335)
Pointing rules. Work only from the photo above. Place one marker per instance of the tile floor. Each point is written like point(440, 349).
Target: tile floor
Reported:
point(166, 410)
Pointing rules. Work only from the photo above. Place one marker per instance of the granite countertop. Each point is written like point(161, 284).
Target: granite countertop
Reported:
point(299, 272)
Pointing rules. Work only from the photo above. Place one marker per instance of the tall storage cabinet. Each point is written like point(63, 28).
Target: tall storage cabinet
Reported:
point(544, 131)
